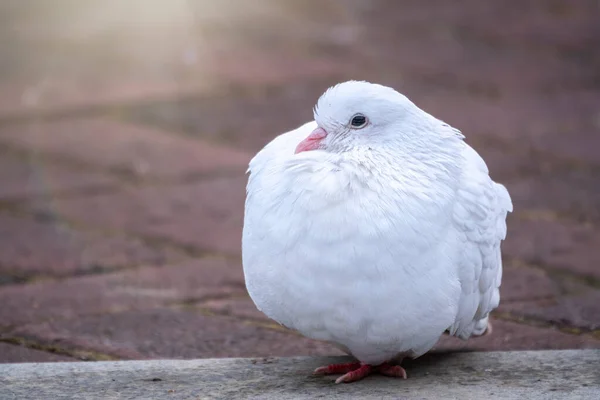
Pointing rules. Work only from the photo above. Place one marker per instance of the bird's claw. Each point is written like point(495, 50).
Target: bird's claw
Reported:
point(355, 371)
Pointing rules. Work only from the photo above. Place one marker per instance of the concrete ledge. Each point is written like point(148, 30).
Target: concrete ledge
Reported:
point(529, 375)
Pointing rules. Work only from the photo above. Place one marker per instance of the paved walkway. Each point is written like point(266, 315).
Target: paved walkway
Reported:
point(123, 148)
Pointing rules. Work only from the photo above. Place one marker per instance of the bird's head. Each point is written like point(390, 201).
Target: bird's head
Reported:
point(361, 115)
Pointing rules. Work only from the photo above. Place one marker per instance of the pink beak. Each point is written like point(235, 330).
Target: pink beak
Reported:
point(312, 141)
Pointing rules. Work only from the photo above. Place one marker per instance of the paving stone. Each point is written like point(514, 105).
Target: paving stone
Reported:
point(174, 333)
point(136, 289)
point(34, 176)
point(535, 24)
point(245, 119)
point(13, 353)
point(241, 307)
point(481, 43)
point(512, 336)
point(577, 312)
point(31, 247)
point(563, 124)
point(504, 163)
point(124, 148)
point(518, 285)
point(573, 194)
point(561, 245)
point(207, 215)
point(524, 283)
point(572, 129)
point(559, 124)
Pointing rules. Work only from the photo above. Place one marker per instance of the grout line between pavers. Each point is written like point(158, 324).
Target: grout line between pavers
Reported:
point(539, 214)
point(543, 323)
point(536, 300)
point(113, 108)
point(196, 302)
point(7, 331)
point(587, 280)
point(474, 33)
point(97, 270)
point(187, 252)
point(86, 111)
point(246, 90)
point(558, 163)
point(126, 177)
point(14, 204)
point(150, 240)
point(77, 353)
point(266, 323)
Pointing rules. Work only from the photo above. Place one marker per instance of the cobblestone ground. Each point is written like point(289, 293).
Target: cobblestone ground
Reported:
point(125, 130)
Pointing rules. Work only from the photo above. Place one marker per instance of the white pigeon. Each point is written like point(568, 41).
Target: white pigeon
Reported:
point(374, 227)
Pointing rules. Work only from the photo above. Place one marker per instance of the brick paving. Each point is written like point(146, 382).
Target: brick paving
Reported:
point(123, 149)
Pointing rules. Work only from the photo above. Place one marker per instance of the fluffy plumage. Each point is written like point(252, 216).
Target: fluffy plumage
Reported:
point(380, 238)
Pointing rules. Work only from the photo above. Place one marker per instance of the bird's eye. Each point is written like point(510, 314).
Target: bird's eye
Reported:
point(358, 121)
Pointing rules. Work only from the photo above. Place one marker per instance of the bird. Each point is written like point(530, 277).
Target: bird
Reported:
point(374, 227)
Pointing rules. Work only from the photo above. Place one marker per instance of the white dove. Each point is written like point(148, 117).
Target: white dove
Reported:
point(374, 227)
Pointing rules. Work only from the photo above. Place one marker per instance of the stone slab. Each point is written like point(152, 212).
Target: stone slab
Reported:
point(534, 375)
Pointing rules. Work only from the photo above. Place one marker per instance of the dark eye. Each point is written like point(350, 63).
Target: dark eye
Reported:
point(358, 121)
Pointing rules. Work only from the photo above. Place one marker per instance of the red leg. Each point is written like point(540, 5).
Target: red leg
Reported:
point(356, 375)
point(337, 368)
point(395, 371)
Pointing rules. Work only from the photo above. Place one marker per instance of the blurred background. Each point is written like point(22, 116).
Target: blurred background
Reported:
point(126, 128)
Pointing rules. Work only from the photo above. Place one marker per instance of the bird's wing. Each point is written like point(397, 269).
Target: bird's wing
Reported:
point(480, 220)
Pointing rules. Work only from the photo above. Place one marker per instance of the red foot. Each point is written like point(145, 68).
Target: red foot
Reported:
point(356, 375)
point(356, 371)
point(394, 371)
point(337, 368)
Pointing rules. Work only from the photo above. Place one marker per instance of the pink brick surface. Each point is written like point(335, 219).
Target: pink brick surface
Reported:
point(30, 176)
point(207, 215)
point(124, 148)
point(518, 336)
point(561, 245)
point(53, 248)
point(168, 333)
point(136, 289)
